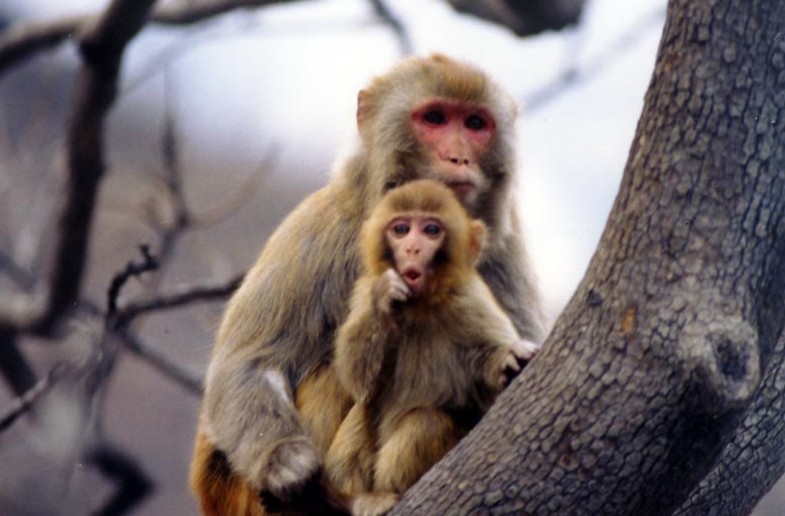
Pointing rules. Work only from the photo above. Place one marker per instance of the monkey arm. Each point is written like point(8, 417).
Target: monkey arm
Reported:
point(362, 341)
point(251, 425)
point(276, 329)
point(495, 344)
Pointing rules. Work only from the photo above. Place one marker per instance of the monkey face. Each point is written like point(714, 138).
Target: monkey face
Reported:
point(414, 241)
point(455, 138)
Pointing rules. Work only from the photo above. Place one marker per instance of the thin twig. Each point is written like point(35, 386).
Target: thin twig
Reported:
point(169, 368)
point(577, 73)
point(24, 403)
point(132, 269)
point(182, 296)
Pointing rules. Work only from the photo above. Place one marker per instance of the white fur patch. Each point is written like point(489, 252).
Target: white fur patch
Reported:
point(277, 382)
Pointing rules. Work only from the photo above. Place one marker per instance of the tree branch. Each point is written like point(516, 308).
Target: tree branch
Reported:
point(24, 403)
point(180, 297)
point(133, 485)
point(24, 39)
point(383, 12)
point(102, 44)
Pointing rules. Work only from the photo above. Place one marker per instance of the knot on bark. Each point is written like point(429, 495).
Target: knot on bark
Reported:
point(723, 356)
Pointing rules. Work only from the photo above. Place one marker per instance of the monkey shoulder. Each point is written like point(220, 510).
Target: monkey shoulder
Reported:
point(298, 289)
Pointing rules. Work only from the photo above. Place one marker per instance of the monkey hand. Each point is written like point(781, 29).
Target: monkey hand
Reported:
point(390, 288)
point(520, 352)
point(292, 467)
point(524, 350)
point(373, 504)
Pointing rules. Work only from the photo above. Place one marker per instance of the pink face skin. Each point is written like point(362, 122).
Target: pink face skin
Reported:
point(457, 136)
point(414, 241)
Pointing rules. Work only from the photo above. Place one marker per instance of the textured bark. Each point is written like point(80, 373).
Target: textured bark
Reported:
point(657, 362)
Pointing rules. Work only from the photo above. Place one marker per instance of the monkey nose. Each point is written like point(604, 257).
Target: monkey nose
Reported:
point(458, 161)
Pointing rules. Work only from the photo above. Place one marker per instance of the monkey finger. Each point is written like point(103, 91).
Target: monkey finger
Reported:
point(511, 364)
point(399, 292)
point(524, 349)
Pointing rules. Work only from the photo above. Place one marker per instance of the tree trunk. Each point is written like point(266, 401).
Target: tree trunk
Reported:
point(658, 360)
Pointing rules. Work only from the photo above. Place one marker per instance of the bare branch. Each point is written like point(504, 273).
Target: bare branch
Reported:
point(14, 367)
point(102, 45)
point(383, 12)
point(182, 296)
point(25, 39)
point(574, 74)
point(24, 403)
point(133, 485)
point(133, 269)
point(192, 382)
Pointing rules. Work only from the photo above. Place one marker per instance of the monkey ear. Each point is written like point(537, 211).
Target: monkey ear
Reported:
point(476, 240)
point(363, 107)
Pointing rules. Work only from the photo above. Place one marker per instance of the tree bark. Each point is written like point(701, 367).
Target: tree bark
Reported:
point(657, 362)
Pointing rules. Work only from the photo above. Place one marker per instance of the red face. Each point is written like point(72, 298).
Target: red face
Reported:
point(414, 241)
point(457, 137)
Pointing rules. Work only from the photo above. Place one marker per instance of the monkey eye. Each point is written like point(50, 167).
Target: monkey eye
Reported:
point(400, 229)
point(432, 229)
point(475, 123)
point(435, 117)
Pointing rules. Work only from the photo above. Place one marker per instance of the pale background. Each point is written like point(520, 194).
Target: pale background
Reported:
point(275, 89)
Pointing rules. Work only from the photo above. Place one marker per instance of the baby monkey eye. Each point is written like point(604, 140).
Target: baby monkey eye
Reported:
point(400, 228)
point(432, 229)
point(475, 123)
point(434, 117)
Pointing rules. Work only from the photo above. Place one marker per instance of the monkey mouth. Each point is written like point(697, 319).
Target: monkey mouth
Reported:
point(461, 188)
point(413, 279)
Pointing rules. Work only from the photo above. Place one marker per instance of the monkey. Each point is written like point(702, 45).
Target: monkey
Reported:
point(424, 339)
point(271, 402)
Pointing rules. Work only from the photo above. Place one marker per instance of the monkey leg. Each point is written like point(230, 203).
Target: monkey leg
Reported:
point(220, 492)
point(349, 461)
point(414, 443)
point(322, 403)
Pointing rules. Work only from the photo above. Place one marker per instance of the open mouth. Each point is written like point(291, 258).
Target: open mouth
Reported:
point(412, 278)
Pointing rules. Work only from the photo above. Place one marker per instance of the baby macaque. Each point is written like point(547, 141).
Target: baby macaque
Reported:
point(425, 348)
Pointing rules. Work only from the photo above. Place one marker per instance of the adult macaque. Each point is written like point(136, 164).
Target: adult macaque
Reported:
point(424, 340)
point(272, 403)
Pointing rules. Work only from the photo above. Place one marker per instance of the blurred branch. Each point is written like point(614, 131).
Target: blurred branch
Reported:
point(583, 72)
point(383, 12)
point(133, 485)
point(101, 45)
point(24, 403)
point(21, 40)
point(192, 382)
point(524, 17)
point(131, 270)
point(25, 39)
point(183, 296)
point(14, 366)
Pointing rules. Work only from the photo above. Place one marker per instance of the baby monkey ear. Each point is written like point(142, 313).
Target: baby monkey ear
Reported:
point(476, 240)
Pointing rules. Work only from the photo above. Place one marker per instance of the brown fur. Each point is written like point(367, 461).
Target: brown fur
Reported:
point(222, 492)
point(408, 368)
point(278, 329)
